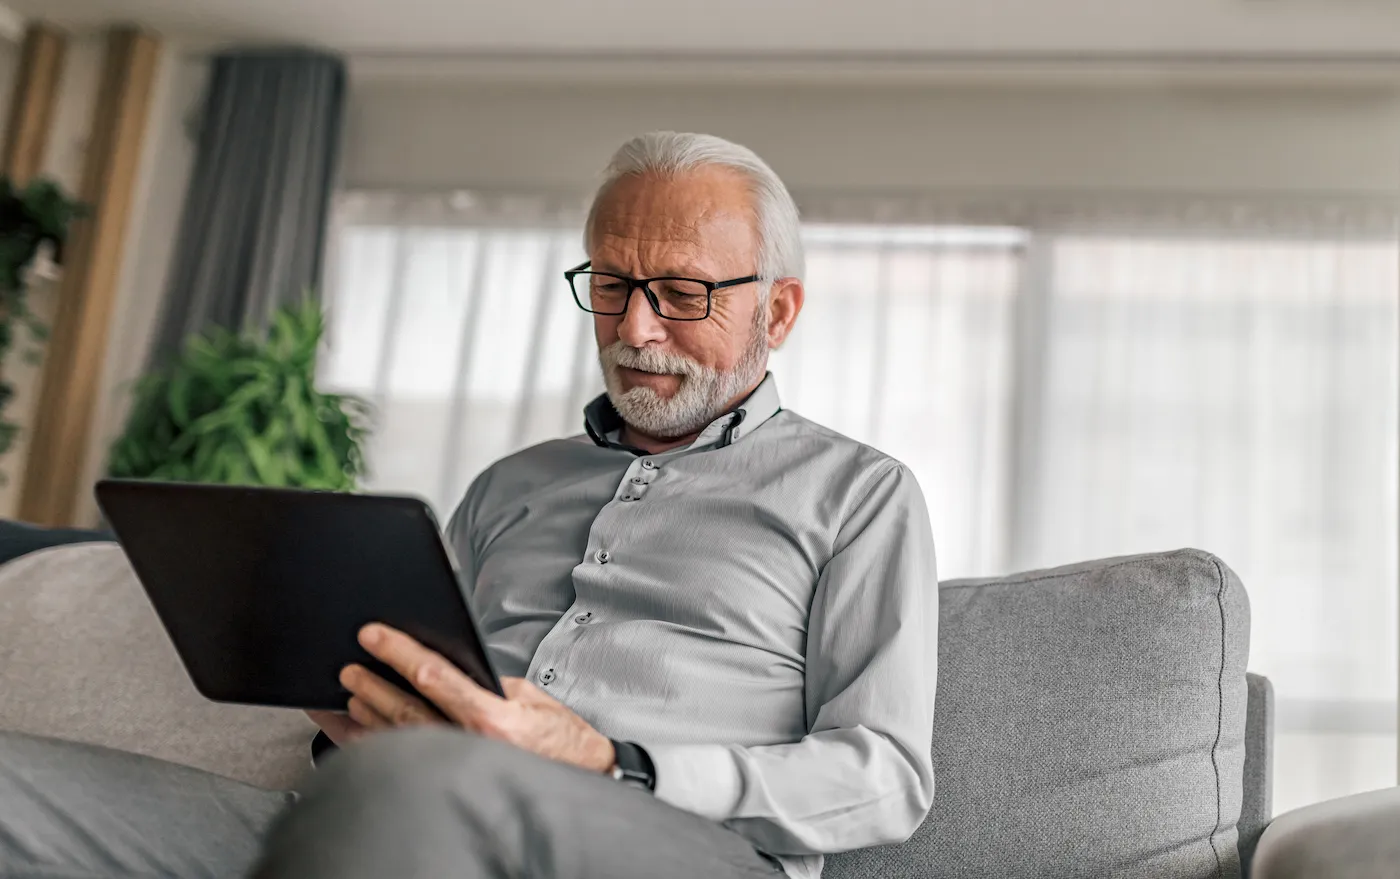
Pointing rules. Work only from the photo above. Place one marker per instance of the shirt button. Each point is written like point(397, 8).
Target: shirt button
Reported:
point(583, 618)
point(648, 464)
point(637, 480)
point(630, 497)
point(547, 676)
point(602, 556)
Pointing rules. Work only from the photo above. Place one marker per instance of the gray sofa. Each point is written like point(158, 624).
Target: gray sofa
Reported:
point(1092, 721)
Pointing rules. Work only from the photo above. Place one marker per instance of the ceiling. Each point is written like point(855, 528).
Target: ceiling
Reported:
point(758, 29)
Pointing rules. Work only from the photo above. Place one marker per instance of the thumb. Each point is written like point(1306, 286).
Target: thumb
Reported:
point(521, 690)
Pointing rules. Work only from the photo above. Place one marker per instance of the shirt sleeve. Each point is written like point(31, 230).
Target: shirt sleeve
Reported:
point(460, 532)
point(863, 775)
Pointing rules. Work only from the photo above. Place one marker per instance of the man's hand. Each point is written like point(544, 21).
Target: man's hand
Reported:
point(527, 718)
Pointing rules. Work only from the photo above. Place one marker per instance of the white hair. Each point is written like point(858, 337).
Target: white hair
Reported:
point(671, 153)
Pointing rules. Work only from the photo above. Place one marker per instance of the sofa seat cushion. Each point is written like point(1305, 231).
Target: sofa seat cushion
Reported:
point(83, 657)
point(1089, 723)
point(18, 538)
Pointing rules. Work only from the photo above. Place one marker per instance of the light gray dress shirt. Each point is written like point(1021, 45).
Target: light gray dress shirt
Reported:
point(759, 610)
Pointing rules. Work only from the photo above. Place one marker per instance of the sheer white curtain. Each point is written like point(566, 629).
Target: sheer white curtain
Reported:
point(1066, 384)
point(1239, 393)
point(453, 318)
point(904, 343)
point(466, 342)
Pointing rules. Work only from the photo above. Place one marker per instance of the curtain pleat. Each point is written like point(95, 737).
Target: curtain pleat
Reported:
point(253, 227)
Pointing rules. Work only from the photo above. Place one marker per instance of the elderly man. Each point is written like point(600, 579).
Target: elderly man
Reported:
point(716, 620)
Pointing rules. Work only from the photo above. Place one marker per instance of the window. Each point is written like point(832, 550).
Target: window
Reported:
point(1241, 396)
point(1061, 396)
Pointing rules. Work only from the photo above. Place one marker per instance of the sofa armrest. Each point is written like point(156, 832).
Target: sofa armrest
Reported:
point(1356, 837)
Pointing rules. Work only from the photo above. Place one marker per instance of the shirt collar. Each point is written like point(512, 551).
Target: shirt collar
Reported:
point(600, 419)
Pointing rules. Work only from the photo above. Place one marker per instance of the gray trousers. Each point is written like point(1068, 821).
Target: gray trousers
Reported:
point(430, 803)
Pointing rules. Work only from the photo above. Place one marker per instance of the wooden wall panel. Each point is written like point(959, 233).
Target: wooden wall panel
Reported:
point(72, 370)
point(32, 102)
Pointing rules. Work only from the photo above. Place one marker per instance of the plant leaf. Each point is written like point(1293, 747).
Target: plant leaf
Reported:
point(243, 408)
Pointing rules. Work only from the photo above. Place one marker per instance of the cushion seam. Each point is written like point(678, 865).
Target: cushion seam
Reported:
point(1219, 718)
point(1052, 577)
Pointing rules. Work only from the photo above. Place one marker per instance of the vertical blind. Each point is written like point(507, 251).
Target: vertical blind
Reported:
point(1060, 394)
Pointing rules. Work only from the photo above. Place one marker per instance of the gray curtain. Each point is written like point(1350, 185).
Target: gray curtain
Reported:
point(254, 219)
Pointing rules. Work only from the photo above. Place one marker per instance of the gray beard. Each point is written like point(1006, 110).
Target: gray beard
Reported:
point(704, 394)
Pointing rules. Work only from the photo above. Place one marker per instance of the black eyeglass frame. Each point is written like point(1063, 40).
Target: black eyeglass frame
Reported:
point(642, 284)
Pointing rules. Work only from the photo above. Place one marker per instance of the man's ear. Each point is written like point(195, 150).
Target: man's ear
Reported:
point(784, 303)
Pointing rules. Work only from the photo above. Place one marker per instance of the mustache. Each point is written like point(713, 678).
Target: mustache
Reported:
point(650, 360)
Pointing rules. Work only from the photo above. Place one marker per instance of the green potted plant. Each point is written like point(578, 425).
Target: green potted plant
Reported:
point(244, 409)
point(32, 217)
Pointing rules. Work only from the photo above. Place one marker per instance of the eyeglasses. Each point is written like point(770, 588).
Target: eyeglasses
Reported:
point(670, 298)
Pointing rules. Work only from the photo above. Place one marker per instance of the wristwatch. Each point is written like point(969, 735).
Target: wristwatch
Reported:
point(633, 766)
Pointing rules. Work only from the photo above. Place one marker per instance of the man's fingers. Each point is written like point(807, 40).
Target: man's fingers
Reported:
point(440, 682)
point(396, 650)
point(459, 697)
point(385, 699)
point(366, 716)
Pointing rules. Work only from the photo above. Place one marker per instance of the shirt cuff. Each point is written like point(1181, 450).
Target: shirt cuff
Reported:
point(701, 779)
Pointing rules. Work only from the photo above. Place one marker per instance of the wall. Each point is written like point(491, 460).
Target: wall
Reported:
point(1342, 138)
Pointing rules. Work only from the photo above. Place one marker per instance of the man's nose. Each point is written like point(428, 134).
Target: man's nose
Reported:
point(640, 324)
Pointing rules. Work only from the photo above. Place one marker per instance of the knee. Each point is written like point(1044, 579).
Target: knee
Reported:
point(408, 802)
point(415, 764)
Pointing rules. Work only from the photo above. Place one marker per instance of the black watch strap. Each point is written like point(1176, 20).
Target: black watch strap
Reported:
point(634, 765)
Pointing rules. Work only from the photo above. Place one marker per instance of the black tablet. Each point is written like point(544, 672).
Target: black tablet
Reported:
point(263, 590)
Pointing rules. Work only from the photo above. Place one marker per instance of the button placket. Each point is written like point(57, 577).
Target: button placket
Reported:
point(635, 482)
point(551, 660)
point(554, 669)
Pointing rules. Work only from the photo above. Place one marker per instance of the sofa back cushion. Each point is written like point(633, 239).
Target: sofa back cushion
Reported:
point(83, 657)
point(1090, 720)
point(18, 538)
point(1090, 723)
